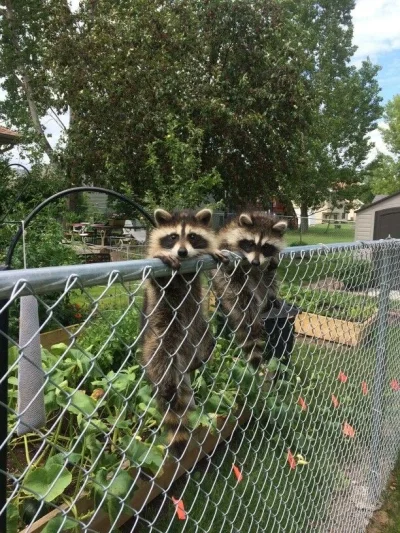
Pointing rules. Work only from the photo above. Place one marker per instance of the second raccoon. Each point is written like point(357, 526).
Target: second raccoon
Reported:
point(249, 289)
point(177, 336)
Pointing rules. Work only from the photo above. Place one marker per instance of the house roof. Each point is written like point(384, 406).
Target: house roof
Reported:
point(379, 197)
point(377, 200)
point(8, 136)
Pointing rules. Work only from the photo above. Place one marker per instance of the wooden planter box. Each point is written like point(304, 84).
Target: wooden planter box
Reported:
point(332, 329)
point(56, 336)
point(203, 444)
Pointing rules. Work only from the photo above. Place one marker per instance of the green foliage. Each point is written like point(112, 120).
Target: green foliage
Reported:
point(13, 517)
point(47, 482)
point(383, 174)
point(60, 523)
point(83, 382)
point(44, 247)
point(118, 489)
point(110, 336)
point(176, 166)
point(345, 107)
point(123, 69)
point(335, 304)
point(391, 134)
point(267, 103)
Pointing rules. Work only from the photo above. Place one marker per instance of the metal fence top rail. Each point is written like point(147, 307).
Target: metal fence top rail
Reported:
point(52, 279)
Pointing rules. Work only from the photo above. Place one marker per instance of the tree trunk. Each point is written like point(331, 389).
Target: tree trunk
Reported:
point(24, 81)
point(304, 217)
point(35, 117)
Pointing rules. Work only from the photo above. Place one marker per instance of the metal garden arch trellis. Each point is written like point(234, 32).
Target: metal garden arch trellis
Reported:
point(4, 323)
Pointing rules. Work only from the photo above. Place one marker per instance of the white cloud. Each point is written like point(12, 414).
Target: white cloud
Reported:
point(380, 146)
point(376, 27)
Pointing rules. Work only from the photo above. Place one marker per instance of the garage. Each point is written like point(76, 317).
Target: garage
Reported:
point(379, 219)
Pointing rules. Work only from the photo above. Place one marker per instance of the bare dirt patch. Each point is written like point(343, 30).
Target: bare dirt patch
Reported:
point(387, 518)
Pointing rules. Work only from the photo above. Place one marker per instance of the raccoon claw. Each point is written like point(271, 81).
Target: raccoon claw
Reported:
point(169, 260)
point(220, 257)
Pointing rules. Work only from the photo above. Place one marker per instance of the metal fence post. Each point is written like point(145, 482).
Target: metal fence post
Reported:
point(3, 413)
point(381, 259)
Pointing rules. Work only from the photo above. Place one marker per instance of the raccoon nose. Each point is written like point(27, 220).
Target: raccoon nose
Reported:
point(255, 262)
point(182, 252)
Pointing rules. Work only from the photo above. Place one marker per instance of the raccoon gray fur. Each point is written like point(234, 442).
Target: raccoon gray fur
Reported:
point(177, 336)
point(249, 289)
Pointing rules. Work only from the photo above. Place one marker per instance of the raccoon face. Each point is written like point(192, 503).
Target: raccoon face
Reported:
point(183, 234)
point(257, 236)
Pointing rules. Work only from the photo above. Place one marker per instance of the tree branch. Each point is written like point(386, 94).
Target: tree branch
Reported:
point(26, 85)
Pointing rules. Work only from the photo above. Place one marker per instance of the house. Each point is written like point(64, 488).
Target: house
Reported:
point(379, 219)
point(329, 213)
point(8, 139)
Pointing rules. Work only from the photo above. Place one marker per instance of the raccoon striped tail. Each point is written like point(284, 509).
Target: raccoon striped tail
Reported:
point(176, 417)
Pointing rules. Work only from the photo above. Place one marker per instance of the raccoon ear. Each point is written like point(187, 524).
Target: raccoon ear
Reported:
point(162, 217)
point(245, 220)
point(280, 226)
point(204, 216)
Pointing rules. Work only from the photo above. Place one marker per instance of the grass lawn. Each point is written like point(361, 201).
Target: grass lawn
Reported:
point(116, 297)
point(321, 233)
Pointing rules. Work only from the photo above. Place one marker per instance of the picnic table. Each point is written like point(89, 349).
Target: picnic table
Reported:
point(106, 233)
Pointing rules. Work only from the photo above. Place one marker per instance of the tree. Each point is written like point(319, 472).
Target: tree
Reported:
point(391, 134)
point(175, 164)
point(124, 68)
point(26, 82)
point(345, 108)
point(383, 174)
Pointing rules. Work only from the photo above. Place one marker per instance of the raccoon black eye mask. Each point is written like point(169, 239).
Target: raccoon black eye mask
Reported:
point(268, 250)
point(197, 241)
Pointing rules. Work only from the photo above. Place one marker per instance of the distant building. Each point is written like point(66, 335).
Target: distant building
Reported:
point(8, 139)
point(329, 213)
point(379, 219)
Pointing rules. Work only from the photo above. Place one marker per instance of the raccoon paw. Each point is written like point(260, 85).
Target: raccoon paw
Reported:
point(220, 257)
point(169, 260)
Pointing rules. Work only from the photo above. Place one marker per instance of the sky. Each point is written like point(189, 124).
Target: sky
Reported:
point(377, 35)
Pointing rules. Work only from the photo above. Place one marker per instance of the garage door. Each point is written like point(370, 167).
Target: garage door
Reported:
point(387, 222)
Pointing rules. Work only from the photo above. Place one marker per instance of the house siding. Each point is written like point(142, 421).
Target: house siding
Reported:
point(365, 219)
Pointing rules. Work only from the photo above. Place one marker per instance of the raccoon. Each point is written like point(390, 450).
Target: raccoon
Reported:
point(177, 336)
point(249, 289)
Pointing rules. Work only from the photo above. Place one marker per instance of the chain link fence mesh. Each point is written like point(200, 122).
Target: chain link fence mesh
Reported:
point(305, 443)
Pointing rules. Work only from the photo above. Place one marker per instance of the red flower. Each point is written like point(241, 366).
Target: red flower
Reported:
point(78, 316)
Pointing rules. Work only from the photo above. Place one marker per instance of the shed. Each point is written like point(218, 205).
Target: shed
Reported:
point(379, 219)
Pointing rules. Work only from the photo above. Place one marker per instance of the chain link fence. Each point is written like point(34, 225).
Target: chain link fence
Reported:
point(303, 443)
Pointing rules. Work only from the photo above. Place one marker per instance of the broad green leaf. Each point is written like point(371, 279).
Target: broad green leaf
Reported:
point(59, 459)
point(47, 483)
point(119, 489)
point(273, 364)
point(79, 403)
point(59, 349)
point(12, 517)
